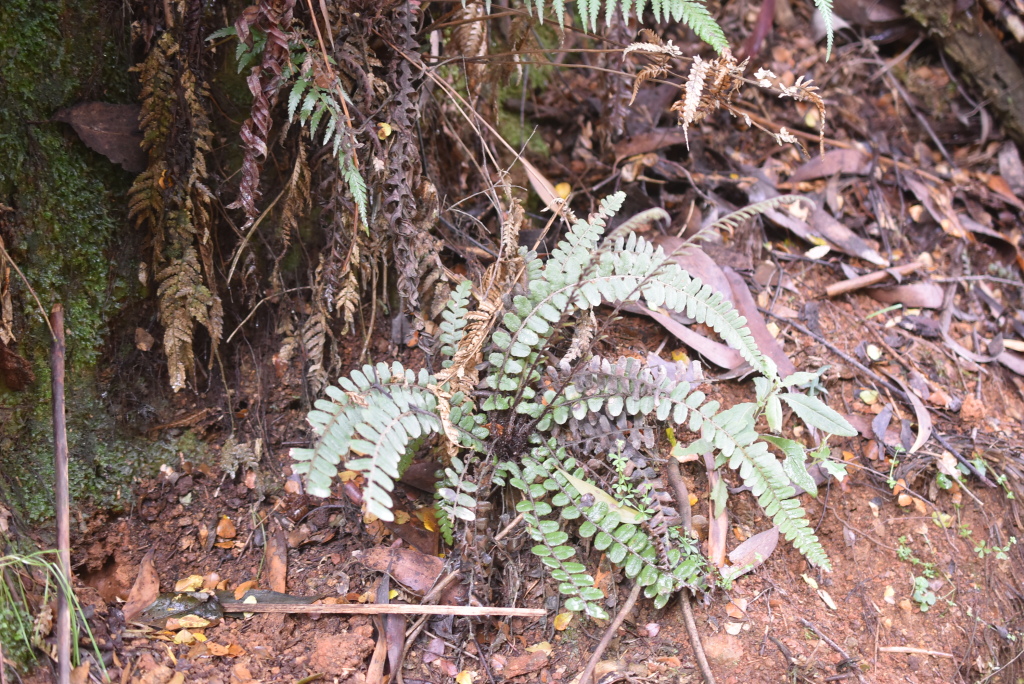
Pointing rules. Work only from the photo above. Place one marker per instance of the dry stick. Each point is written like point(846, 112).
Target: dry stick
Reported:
point(60, 465)
point(869, 279)
point(911, 649)
point(610, 633)
point(675, 479)
point(836, 647)
point(376, 609)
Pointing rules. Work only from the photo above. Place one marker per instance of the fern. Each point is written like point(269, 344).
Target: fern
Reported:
point(693, 13)
point(376, 412)
point(825, 10)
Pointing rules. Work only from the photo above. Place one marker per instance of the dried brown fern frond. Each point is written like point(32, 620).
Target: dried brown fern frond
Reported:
point(315, 332)
point(273, 18)
point(660, 53)
point(469, 40)
point(709, 86)
point(184, 299)
point(297, 201)
point(801, 91)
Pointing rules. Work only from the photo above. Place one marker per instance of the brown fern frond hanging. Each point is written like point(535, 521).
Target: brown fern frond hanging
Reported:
point(296, 203)
point(710, 86)
point(469, 41)
point(273, 18)
point(660, 54)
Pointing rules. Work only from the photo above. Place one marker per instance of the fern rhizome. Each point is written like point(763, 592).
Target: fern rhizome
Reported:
point(374, 417)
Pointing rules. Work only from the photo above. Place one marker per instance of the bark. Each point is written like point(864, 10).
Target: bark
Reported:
point(974, 47)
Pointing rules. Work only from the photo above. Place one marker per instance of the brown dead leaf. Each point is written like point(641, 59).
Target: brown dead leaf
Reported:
point(717, 353)
point(747, 307)
point(923, 295)
point(753, 552)
point(524, 664)
point(143, 340)
point(145, 590)
point(110, 129)
point(15, 372)
point(80, 674)
point(851, 162)
point(414, 569)
point(244, 587)
point(226, 528)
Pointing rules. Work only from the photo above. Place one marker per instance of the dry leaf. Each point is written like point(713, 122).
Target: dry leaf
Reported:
point(889, 595)
point(827, 599)
point(145, 590)
point(190, 583)
point(110, 129)
point(226, 528)
point(244, 587)
point(562, 621)
point(464, 677)
point(542, 647)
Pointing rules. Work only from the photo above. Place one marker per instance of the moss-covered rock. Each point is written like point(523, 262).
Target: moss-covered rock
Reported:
point(67, 230)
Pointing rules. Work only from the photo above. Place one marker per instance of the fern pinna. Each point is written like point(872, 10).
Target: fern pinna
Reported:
point(377, 411)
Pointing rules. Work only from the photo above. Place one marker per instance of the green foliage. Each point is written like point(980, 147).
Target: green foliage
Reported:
point(557, 493)
point(693, 13)
point(374, 413)
point(63, 233)
point(19, 630)
point(314, 98)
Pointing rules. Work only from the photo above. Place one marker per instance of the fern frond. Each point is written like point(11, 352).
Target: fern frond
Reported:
point(374, 414)
point(453, 328)
point(732, 221)
point(733, 435)
point(573, 580)
point(454, 498)
point(695, 15)
point(825, 9)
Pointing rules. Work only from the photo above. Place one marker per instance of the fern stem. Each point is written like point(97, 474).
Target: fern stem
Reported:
point(610, 633)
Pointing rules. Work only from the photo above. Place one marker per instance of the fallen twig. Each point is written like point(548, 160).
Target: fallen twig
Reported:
point(675, 479)
point(850, 662)
point(911, 649)
point(869, 279)
point(62, 506)
point(610, 633)
point(376, 609)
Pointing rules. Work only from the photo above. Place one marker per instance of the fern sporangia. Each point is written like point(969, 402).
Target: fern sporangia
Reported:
point(377, 411)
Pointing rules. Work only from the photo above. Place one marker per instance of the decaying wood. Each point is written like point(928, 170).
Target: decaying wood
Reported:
point(969, 42)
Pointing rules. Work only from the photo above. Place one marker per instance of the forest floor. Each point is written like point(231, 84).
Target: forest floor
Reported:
point(927, 364)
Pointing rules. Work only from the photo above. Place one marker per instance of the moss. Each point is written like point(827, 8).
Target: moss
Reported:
point(68, 212)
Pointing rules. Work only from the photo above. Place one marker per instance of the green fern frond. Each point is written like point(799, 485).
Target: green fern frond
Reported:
point(454, 498)
point(694, 14)
point(374, 414)
point(734, 436)
point(573, 580)
point(731, 221)
point(825, 9)
point(453, 327)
